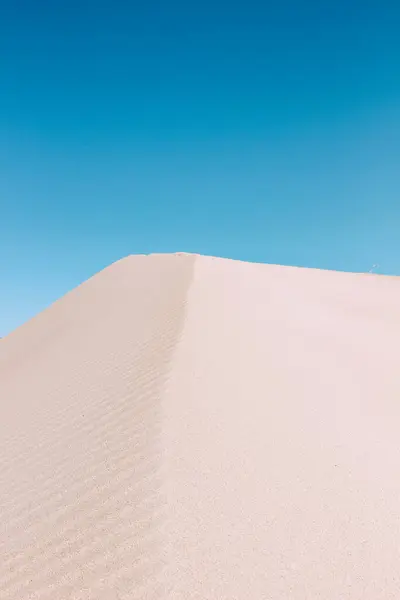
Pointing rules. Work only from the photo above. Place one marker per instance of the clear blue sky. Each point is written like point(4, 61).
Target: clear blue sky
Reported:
point(265, 131)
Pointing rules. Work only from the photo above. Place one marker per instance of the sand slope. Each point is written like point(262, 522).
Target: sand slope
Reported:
point(184, 427)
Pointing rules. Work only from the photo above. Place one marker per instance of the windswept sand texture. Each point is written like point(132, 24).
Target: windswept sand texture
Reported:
point(188, 428)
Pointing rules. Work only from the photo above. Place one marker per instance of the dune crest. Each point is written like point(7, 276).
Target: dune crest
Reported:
point(186, 427)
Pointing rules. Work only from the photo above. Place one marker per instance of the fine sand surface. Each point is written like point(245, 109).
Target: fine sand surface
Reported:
point(183, 427)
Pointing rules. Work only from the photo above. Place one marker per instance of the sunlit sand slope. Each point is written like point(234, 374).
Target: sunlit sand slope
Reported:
point(191, 428)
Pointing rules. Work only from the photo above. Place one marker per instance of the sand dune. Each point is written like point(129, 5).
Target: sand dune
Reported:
point(185, 427)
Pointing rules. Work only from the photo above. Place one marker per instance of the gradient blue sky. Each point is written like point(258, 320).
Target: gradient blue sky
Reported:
point(265, 131)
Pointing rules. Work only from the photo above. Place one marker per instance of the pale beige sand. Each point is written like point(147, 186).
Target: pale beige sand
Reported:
point(183, 427)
